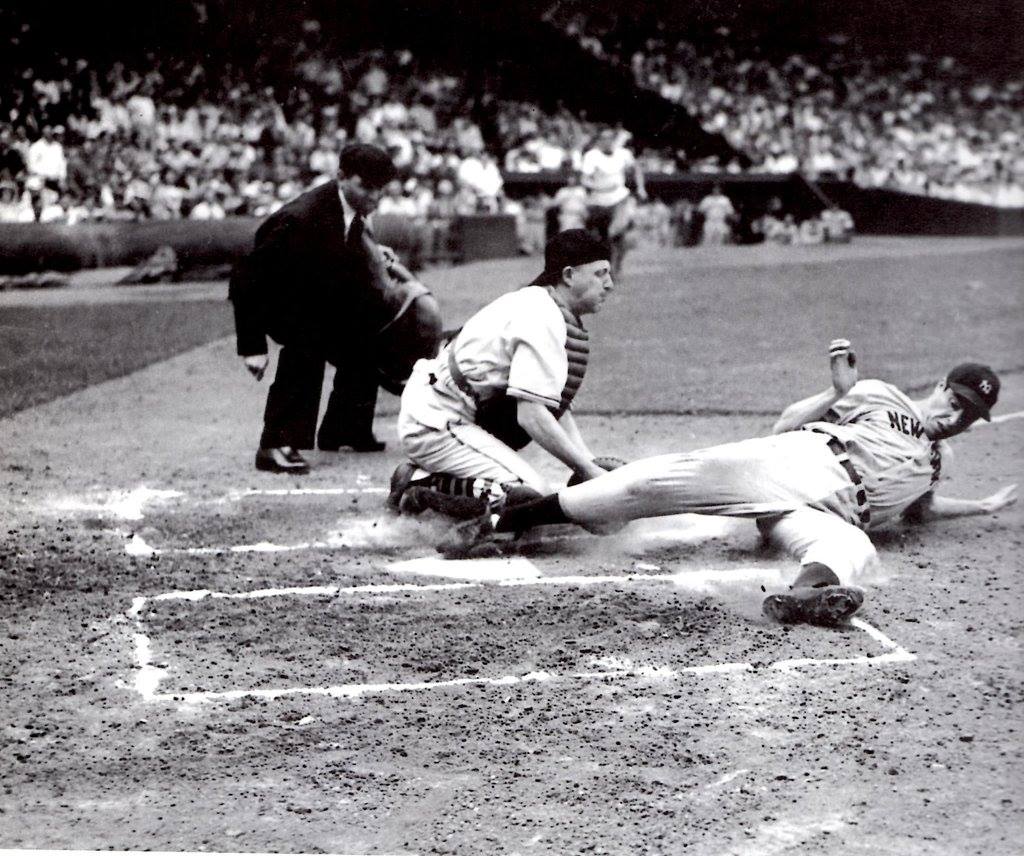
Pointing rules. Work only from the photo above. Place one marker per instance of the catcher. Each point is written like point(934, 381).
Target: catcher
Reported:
point(507, 377)
point(857, 457)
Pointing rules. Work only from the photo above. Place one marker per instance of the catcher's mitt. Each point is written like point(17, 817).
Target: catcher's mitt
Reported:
point(605, 463)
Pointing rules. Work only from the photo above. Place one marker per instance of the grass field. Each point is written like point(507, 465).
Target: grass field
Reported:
point(50, 351)
point(199, 656)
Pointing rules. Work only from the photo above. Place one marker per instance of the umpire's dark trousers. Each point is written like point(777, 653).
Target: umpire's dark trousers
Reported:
point(293, 401)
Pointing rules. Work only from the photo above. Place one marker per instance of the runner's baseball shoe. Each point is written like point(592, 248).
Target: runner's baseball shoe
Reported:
point(827, 605)
point(473, 539)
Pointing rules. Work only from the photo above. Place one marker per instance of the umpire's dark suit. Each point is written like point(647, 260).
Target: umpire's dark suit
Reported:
point(312, 291)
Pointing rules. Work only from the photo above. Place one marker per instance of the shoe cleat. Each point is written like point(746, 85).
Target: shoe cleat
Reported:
point(827, 606)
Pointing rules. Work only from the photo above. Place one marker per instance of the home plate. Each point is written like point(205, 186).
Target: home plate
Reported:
point(477, 570)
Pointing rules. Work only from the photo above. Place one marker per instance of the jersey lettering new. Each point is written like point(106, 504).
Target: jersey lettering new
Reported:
point(884, 434)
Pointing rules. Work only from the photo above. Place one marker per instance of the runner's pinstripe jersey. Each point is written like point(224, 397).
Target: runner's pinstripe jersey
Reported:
point(883, 432)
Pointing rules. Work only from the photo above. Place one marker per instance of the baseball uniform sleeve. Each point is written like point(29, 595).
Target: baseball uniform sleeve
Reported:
point(539, 365)
point(851, 403)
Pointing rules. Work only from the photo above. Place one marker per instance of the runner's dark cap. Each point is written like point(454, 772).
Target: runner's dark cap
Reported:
point(976, 385)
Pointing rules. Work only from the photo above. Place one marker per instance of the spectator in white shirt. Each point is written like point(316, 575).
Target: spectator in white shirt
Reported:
point(15, 209)
point(837, 224)
point(50, 209)
point(168, 196)
point(480, 174)
point(395, 202)
point(46, 156)
point(208, 208)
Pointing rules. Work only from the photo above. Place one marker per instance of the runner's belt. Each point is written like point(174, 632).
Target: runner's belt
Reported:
point(838, 448)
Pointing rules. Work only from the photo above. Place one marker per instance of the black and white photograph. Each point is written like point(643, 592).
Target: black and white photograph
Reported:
point(528, 428)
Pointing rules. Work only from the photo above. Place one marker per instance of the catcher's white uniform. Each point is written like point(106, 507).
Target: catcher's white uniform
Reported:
point(517, 344)
point(814, 491)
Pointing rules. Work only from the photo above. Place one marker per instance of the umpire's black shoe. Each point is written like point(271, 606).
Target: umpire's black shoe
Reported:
point(281, 459)
point(366, 443)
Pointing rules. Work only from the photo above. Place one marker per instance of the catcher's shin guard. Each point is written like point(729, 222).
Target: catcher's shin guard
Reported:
point(401, 480)
point(420, 498)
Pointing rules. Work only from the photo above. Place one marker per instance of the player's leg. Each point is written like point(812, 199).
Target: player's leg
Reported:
point(348, 419)
point(830, 551)
point(619, 226)
point(821, 538)
point(464, 472)
point(599, 220)
point(650, 487)
point(714, 233)
point(293, 399)
point(751, 478)
point(463, 461)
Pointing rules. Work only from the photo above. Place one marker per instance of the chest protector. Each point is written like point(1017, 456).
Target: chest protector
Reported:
point(497, 414)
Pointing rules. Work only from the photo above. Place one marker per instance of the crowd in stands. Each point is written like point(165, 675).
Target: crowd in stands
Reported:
point(118, 144)
point(87, 143)
point(917, 124)
point(712, 220)
point(82, 142)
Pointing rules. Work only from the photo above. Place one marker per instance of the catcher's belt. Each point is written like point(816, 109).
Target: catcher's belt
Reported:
point(495, 413)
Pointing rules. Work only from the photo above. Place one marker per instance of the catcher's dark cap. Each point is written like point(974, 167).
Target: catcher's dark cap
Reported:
point(568, 249)
point(976, 386)
point(371, 163)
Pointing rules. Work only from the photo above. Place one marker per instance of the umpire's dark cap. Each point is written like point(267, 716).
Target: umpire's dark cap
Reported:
point(568, 249)
point(976, 385)
point(371, 163)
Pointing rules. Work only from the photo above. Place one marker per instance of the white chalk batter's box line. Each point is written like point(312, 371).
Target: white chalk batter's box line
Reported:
point(14, 852)
point(131, 504)
point(149, 675)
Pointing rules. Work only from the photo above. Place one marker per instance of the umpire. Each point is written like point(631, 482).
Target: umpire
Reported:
point(315, 283)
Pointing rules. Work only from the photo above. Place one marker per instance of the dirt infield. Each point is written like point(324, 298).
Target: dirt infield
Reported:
point(199, 656)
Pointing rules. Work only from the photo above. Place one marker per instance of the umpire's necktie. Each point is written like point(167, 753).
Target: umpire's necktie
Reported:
point(355, 232)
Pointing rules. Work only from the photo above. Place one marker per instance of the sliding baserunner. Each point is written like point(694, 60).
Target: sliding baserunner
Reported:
point(859, 456)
